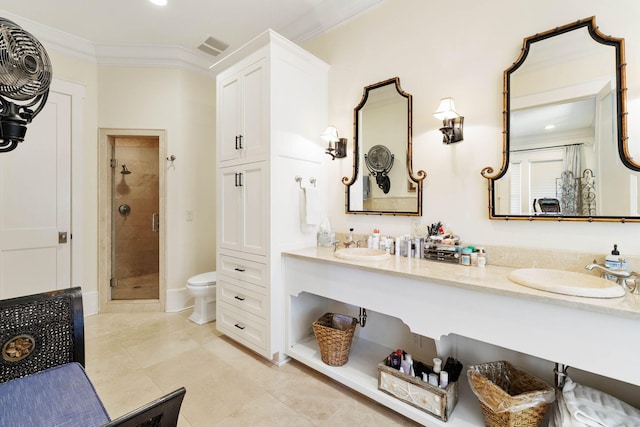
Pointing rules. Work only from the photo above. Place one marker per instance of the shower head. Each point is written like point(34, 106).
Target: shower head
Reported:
point(124, 170)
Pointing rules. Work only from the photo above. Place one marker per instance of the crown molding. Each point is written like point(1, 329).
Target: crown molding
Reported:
point(117, 55)
point(324, 17)
point(151, 56)
point(56, 40)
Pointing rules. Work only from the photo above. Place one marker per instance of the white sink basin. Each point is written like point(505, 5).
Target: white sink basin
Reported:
point(567, 283)
point(361, 254)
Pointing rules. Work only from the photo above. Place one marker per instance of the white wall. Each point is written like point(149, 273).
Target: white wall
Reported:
point(438, 50)
point(183, 103)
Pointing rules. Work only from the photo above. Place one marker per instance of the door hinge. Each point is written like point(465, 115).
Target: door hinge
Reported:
point(113, 282)
point(113, 163)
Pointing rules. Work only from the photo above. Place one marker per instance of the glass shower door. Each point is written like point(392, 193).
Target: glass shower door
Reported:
point(135, 219)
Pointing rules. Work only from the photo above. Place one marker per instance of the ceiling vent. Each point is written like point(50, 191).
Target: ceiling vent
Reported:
point(212, 46)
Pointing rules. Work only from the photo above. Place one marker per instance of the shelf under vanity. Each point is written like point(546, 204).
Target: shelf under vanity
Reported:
point(464, 309)
point(360, 374)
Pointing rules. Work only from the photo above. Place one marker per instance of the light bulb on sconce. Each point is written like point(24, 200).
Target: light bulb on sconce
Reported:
point(451, 121)
point(337, 146)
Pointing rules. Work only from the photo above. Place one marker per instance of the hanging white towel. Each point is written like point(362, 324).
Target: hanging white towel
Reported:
point(560, 416)
point(593, 408)
point(312, 206)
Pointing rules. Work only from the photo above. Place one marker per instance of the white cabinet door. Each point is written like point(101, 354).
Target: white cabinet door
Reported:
point(244, 208)
point(229, 118)
point(243, 115)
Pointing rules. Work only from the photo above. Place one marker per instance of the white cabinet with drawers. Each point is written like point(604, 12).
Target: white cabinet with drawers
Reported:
point(271, 111)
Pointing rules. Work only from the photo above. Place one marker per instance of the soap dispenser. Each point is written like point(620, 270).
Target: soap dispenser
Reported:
point(614, 262)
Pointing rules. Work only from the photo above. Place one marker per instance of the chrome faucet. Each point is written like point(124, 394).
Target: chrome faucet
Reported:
point(349, 240)
point(623, 277)
point(359, 241)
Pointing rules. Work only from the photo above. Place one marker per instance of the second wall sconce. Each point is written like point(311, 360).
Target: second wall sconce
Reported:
point(451, 121)
point(337, 146)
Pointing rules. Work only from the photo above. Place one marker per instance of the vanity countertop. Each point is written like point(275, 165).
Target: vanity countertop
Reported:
point(490, 279)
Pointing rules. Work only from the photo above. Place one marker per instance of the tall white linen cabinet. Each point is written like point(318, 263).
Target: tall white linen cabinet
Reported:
point(271, 110)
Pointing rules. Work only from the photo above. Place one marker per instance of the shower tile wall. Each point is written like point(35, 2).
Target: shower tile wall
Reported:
point(135, 244)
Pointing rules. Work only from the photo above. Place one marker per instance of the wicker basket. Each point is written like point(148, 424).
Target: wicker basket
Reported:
point(334, 333)
point(509, 396)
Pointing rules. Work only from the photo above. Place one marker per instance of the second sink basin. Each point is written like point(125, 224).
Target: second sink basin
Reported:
point(361, 254)
point(567, 283)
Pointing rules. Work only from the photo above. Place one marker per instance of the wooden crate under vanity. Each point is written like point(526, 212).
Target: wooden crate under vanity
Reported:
point(433, 400)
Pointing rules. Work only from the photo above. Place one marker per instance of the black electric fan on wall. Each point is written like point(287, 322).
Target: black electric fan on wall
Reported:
point(25, 77)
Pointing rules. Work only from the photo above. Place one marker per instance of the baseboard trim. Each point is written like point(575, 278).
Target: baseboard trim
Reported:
point(90, 303)
point(178, 300)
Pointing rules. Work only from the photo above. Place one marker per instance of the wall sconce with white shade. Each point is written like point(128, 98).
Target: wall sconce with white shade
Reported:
point(337, 146)
point(451, 121)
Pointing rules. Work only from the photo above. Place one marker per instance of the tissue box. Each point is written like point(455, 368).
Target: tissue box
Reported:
point(433, 400)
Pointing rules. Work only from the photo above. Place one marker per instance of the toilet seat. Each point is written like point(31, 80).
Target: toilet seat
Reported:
point(203, 279)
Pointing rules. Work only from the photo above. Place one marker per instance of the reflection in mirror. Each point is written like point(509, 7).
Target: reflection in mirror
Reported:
point(381, 184)
point(566, 153)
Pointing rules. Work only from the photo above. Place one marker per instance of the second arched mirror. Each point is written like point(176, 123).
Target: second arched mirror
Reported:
point(383, 182)
point(566, 152)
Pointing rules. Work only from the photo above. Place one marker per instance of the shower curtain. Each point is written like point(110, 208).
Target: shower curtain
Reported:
point(576, 187)
point(569, 185)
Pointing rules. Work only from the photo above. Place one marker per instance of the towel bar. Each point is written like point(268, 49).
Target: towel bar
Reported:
point(312, 180)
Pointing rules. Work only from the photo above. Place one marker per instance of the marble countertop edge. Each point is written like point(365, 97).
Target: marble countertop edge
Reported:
point(490, 279)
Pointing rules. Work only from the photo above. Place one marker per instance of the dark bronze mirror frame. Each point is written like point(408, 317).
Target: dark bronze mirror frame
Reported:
point(621, 119)
point(415, 180)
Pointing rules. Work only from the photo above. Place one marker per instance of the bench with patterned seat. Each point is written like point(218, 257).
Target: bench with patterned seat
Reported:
point(42, 378)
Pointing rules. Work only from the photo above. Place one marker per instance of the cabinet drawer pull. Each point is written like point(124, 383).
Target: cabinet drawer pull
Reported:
point(239, 142)
point(239, 298)
point(241, 270)
point(239, 326)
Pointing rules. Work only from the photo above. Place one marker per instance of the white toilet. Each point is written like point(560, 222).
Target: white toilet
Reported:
point(203, 288)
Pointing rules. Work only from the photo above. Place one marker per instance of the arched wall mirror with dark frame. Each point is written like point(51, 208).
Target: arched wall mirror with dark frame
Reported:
point(382, 183)
point(566, 154)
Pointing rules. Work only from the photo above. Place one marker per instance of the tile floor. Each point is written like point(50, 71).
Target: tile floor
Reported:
point(133, 358)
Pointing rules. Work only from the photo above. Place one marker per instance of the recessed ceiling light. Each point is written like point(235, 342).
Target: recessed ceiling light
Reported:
point(159, 2)
point(549, 127)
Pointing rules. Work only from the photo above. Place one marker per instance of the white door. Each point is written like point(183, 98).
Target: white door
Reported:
point(35, 204)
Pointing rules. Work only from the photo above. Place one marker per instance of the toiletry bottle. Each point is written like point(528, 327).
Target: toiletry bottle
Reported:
point(324, 236)
point(395, 359)
point(465, 258)
point(434, 380)
point(482, 258)
point(444, 379)
point(409, 362)
point(375, 241)
point(403, 247)
point(437, 365)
